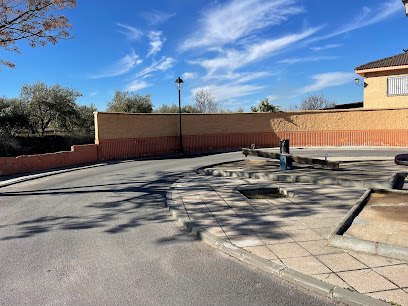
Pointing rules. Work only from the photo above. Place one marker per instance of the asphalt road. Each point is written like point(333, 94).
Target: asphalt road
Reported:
point(103, 236)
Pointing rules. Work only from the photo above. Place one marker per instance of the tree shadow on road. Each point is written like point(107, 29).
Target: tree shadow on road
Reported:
point(121, 206)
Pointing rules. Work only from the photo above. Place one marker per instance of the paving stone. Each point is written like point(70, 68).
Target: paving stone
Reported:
point(262, 251)
point(366, 280)
point(395, 296)
point(324, 232)
point(341, 262)
point(374, 260)
point(308, 265)
point(319, 247)
point(303, 235)
point(398, 274)
point(275, 236)
point(286, 250)
point(245, 240)
point(333, 279)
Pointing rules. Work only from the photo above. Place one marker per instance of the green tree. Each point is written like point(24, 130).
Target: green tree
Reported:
point(13, 116)
point(47, 105)
point(85, 119)
point(125, 102)
point(265, 107)
point(175, 109)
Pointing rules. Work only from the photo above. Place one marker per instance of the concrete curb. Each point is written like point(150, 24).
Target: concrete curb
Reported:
point(336, 238)
point(330, 291)
point(37, 175)
point(328, 180)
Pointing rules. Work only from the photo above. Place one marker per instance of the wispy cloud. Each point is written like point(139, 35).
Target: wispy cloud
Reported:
point(156, 42)
point(271, 97)
point(328, 79)
point(124, 65)
point(163, 64)
point(189, 75)
point(305, 59)
point(156, 17)
point(329, 46)
point(229, 22)
point(93, 93)
point(234, 59)
point(137, 85)
point(367, 17)
point(240, 77)
point(131, 33)
point(229, 91)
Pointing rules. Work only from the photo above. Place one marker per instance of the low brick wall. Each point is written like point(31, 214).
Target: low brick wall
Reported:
point(28, 163)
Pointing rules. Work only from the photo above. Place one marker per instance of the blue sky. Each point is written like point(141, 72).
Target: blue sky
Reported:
point(241, 51)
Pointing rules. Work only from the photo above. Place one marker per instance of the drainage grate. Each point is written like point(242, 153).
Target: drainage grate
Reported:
point(262, 193)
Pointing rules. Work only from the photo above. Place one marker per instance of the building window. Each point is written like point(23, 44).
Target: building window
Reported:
point(397, 86)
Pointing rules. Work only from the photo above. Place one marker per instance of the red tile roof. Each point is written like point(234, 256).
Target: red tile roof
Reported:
point(392, 61)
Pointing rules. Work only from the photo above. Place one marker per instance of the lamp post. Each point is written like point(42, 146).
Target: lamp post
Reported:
point(405, 2)
point(179, 85)
point(358, 81)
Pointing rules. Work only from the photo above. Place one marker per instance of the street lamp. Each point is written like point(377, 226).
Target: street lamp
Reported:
point(179, 85)
point(358, 81)
point(405, 2)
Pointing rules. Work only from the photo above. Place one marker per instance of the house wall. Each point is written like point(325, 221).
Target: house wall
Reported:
point(375, 93)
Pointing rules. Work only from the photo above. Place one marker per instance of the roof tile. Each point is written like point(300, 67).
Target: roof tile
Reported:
point(392, 61)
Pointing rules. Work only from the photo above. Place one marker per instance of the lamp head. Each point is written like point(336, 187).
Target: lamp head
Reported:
point(405, 2)
point(357, 80)
point(179, 83)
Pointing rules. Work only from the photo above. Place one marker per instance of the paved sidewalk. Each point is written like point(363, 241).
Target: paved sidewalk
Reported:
point(291, 231)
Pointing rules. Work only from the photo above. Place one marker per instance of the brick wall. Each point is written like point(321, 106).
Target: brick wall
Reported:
point(28, 163)
point(131, 135)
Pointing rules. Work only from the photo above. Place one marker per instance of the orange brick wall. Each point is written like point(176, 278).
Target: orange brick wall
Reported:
point(30, 163)
point(132, 135)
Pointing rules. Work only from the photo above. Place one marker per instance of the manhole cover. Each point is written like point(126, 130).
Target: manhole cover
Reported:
point(262, 193)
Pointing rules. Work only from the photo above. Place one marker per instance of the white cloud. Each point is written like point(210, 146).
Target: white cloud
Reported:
point(229, 91)
point(156, 17)
point(229, 22)
point(131, 33)
point(367, 17)
point(156, 42)
point(124, 65)
point(329, 46)
point(137, 85)
point(328, 79)
point(189, 75)
point(271, 98)
point(93, 93)
point(240, 77)
point(233, 59)
point(163, 64)
point(305, 59)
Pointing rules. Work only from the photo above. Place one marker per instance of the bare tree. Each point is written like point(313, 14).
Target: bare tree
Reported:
point(33, 20)
point(314, 101)
point(204, 102)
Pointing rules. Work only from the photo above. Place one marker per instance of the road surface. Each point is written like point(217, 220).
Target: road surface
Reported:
point(103, 236)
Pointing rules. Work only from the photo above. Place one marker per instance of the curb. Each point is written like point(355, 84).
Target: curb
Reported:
point(37, 175)
point(330, 291)
point(330, 180)
point(336, 238)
